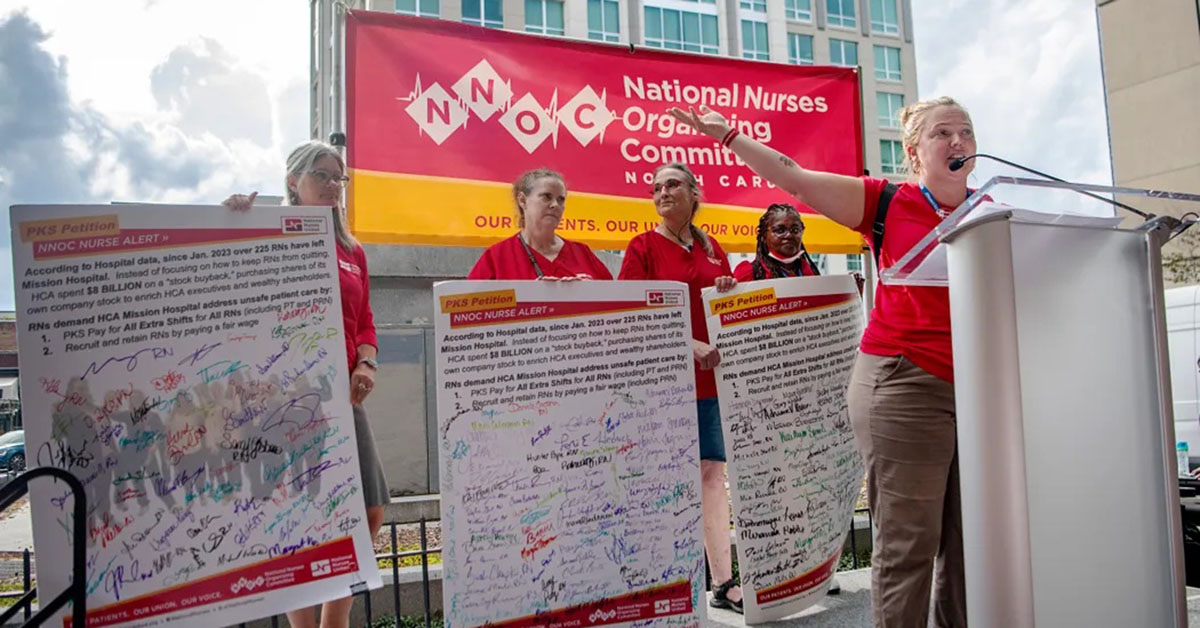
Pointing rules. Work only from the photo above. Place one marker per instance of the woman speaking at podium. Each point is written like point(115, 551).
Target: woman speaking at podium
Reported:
point(901, 394)
point(536, 252)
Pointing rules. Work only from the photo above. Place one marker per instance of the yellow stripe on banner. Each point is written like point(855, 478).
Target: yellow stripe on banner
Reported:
point(387, 208)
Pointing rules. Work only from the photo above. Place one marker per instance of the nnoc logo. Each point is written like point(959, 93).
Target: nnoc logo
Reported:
point(483, 92)
point(664, 298)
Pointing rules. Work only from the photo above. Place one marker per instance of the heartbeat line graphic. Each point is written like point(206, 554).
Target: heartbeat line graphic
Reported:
point(439, 113)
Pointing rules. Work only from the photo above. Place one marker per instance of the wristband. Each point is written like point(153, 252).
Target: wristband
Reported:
point(729, 137)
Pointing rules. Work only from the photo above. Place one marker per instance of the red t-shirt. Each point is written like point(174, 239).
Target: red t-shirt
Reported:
point(651, 255)
point(358, 322)
point(745, 270)
point(507, 259)
point(913, 321)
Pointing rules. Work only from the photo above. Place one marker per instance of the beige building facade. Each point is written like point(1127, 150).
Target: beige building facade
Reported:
point(1151, 54)
point(873, 34)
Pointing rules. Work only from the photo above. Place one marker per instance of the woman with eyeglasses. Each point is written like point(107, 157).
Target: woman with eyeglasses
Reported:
point(315, 177)
point(677, 250)
point(536, 251)
point(780, 249)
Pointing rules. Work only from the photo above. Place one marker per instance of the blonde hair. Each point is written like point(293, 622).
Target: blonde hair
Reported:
point(690, 179)
point(301, 160)
point(912, 121)
point(524, 185)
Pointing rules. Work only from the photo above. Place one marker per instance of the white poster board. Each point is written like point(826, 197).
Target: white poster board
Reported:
point(187, 364)
point(570, 467)
point(787, 349)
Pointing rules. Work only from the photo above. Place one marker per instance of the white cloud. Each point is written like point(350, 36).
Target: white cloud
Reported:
point(158, 102)
point(1029, 72)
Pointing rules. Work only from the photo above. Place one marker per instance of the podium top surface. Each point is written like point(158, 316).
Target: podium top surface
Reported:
point(1033, 201)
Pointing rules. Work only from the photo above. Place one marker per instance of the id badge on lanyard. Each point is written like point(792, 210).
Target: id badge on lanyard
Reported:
point(942, 213)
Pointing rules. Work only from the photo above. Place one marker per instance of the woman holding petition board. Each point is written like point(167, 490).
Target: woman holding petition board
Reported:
point(315, 177)
point(901, 394)
point(677, 250)
point(536, 252)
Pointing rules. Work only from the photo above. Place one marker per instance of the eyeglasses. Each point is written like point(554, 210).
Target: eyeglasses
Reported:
point(324, 178)
point(666, 186)
point(782, 230)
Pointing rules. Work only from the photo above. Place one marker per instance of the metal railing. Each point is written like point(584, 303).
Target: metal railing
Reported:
point(76, 592)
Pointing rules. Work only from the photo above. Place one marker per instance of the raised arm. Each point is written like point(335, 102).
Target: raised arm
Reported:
point(838, 197)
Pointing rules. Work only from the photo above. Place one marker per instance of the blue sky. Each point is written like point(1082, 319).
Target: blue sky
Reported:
point(185, 102)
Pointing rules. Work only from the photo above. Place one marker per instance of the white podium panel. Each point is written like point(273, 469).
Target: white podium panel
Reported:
point(1070, 510)
point(1065, 430)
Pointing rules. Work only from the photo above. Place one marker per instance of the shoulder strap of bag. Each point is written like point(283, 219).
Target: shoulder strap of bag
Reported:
point(885, 199)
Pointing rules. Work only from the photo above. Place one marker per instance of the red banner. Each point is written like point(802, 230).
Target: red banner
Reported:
point(439, 113)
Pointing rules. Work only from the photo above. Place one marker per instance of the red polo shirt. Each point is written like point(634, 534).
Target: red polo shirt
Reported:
point(507, 259)
point(912, 321)
point(651, 255)
point(745, 270)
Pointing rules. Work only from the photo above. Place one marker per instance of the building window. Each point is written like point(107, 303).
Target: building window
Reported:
point(841, 13)
point(753, 5)
point(800, 49)
point(604, 21)
point(544, 16)
point(419, 8)
point(754, 40)
point(854, 263)
point(891, 156)
point(883, 17)
point(799, 10)
point(681, 30)
point(889, 109)
point(483, 13)
point(887, 63)
point(842, 52)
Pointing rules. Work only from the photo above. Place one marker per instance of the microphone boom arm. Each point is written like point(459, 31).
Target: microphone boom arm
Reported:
point(957, 164)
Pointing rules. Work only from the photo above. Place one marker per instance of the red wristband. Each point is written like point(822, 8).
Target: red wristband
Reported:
point(729, 137)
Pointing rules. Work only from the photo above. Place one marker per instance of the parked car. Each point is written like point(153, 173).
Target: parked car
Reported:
point(1183, 347)
point(12, 451)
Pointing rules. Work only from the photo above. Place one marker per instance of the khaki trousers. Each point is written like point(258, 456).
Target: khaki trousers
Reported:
point(904, 426)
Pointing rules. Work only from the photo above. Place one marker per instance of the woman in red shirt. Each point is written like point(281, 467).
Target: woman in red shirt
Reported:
point(780, 250)
point(315, 177)
point(677, 250)
point(536, 252)
point(901, 394)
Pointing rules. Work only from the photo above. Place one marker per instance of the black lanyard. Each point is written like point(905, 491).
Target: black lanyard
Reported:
point(537, 269)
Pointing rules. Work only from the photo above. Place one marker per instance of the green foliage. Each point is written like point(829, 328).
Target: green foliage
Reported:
point(1181, 259)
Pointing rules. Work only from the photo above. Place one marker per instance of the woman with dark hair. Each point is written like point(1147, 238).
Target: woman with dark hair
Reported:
point(315, 176)
point(677, 250)
point(780, 249)
point(536, 252)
